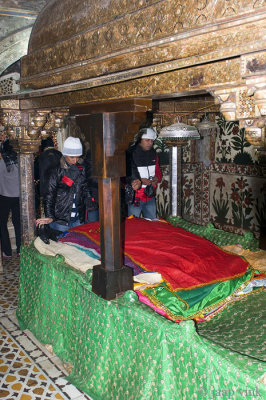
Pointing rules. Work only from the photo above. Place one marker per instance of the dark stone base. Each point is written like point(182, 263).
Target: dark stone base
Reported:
point(110, 284)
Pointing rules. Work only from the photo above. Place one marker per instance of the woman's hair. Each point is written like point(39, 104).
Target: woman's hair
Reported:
point(48, 142)
point(138, 136)
point(9, 155)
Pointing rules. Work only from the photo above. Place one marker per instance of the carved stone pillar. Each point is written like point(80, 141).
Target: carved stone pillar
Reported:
point(29, 142)
point(27, 197)
point(24, 131)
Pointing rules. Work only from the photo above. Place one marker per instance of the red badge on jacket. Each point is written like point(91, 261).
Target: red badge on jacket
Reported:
point(67, 181)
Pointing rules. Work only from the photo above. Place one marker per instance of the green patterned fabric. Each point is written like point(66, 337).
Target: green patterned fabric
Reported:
point(122, 349)
point(247, 317)
point(217, 236)
point(189, 304)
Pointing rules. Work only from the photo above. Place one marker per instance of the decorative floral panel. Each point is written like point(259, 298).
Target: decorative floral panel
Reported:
point(230, 192)
point(163, 194)
point(237, 197)
point(231, 145)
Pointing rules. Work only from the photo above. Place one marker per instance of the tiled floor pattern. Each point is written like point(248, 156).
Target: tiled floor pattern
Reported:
point(9, 285)
point(28, 371)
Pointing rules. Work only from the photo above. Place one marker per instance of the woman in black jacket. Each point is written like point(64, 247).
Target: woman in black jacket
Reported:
point(67, 191)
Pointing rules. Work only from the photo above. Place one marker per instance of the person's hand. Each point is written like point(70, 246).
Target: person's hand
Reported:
point(154, 181)
point(146, 181)
point(136, 184)
point(43, 221)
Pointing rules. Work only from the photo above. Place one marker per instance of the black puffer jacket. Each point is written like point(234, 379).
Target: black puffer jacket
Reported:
point(61, 190)
point(47, 161)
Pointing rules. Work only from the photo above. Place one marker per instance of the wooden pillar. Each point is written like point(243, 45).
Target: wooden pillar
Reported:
point(109, 197)
point(1, 263)
point(111, 277)
point(109, 133)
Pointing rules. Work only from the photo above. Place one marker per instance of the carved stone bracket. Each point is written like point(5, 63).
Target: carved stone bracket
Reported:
point(257, 90)
point(235, 103)
point(26, 129)
point(227, 100)
point(247, 103)
point(10, 118)
point(255, 128)
point(54, 122)
point(253, 70)
point(23, 128)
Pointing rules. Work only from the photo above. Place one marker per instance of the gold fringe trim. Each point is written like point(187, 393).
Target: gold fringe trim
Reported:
point(205, 310)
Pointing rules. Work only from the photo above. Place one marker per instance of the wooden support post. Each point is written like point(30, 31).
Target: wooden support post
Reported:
point(109, 134)
point(111, 277)
point(1, 262)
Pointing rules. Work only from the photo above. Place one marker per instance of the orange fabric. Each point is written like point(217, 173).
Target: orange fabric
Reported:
point(184, 259)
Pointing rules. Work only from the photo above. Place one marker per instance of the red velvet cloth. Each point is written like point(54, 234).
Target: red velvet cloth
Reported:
point(184, 259)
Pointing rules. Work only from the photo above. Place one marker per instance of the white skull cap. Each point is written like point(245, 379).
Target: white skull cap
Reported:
point(150, 134)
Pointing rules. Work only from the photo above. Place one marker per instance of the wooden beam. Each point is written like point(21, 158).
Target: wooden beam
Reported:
point(109, 134)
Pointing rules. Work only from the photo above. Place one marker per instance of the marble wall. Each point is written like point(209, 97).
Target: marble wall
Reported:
point(230, 191)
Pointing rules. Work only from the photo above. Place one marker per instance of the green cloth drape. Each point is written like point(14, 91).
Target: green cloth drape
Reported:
point(122, 349)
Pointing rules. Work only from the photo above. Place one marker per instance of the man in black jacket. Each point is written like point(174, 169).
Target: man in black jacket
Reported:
point(67, 190)
point(143, 174)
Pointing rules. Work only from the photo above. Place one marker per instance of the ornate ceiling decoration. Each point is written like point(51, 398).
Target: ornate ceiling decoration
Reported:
point(74, 41)
point(16, 20)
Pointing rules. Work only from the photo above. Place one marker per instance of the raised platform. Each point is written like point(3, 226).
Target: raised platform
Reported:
point(122, 349)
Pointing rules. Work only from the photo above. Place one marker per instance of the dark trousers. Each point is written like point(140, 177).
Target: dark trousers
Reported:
point(8, 204)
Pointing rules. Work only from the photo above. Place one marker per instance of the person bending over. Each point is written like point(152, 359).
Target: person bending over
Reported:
point(67, 190)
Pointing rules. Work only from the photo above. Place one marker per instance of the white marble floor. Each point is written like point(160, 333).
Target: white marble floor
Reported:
point(28, 370)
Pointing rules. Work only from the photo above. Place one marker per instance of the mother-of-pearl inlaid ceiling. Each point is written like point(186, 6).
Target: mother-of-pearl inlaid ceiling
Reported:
point(16, 20)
